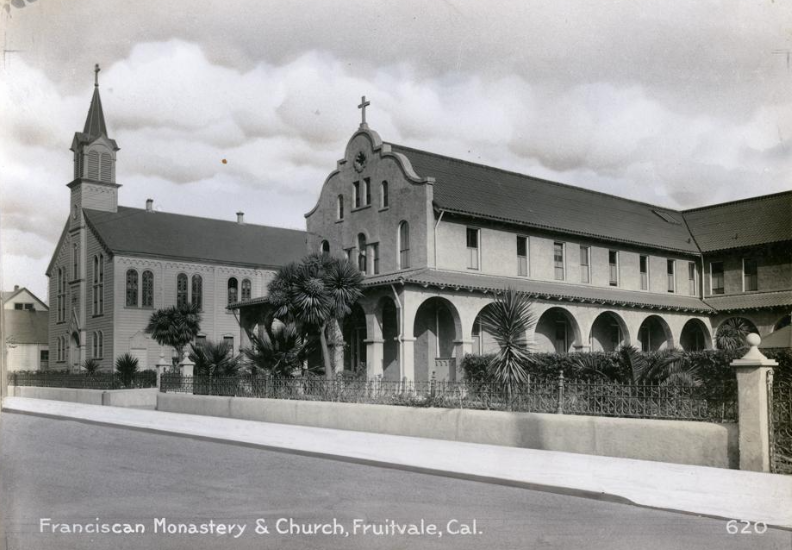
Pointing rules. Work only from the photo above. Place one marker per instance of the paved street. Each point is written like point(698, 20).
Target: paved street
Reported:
point(74, 473)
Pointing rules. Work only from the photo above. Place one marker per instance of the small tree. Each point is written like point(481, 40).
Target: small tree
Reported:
point(175, 326)
point(214, 359)
point(91, 366)
point(126, 367)
point(508, 319)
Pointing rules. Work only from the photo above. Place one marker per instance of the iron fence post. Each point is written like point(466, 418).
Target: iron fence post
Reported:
point(560, 406)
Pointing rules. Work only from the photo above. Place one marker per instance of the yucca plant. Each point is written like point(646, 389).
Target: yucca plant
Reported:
point(126, 366)
point(175, 326)
point(91, 366)
point(508, 319)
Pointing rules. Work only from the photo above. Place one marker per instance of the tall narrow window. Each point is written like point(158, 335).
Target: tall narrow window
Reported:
point(147, 289)
point(246, 290)
point(131, 288)
point(558, 260)
point(361, 246)
point(644, 269)
point(94, 345)
point(585, 264)
point(750, 275)
point(613, 264)
point(93, 165)
point(229, 342)
point(107, 167)
point(233, 290)
point(197, 291)
point(325, 247)
point(375, 258)
point(522, 256)
point(340, 207)
point(61, 295)
point(670, 270)
point(181, 290)
point(716, 278)
point(472, 248)
point(100, 348)
point(97, 308)
point(691, 278)
point(384, 194)
point(367, 184)
point(75, 263)
point(356, 194)
point(404, 245)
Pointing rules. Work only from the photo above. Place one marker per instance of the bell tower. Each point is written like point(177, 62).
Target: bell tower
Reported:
point(94, 184)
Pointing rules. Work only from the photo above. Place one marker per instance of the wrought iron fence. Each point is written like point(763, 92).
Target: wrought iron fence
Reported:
point(716, 403)
point(780, 411)
point(97, 381)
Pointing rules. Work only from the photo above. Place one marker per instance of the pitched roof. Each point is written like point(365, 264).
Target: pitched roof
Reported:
point(737, 224)
point(541, 289)
point(27, 327)
point(474, 189)
point(753, 300)
point(95, 123)
point(137, 232)
point(9, 294)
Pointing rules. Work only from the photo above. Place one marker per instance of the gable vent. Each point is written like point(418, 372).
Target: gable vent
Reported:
point(667, 217)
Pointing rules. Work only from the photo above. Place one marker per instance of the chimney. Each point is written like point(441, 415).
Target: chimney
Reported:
point(16, 287)
point(241, 218)
point(149, 205)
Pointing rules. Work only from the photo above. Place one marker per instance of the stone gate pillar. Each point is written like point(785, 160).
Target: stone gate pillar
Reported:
point(752, 372)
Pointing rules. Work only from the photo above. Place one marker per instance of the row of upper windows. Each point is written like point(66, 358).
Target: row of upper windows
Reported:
point(368, 254)
point(361, 196)
point(750, 276)
point(187, 291)
point(473, 245)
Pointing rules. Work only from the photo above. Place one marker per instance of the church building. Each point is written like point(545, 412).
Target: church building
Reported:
point(115, 265)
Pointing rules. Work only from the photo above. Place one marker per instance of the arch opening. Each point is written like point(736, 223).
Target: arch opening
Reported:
point(556, 331)
point(608, 332)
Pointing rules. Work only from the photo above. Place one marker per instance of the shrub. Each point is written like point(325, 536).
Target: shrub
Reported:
point(91, 366)
point(126, 367)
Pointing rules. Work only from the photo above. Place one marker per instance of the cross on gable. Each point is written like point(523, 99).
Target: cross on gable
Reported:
point(362, 107)
point(96, 75)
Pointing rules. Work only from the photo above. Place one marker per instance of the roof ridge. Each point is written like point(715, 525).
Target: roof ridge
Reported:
point(737, 201)
point(551, 182)
point(139, 210)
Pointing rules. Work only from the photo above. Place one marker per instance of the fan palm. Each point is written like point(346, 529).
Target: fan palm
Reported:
point(175, 326)
point(214, 359)
point(665, 367)
point(508, 319)
point(280, 350)
point(731, 334)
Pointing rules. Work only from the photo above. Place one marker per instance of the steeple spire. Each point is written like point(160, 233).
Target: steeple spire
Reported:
point(95, 123)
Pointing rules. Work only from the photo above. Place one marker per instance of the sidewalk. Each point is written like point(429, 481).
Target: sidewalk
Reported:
point(728, 494)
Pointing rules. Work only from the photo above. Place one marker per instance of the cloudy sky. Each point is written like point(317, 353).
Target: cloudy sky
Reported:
point(672, 102)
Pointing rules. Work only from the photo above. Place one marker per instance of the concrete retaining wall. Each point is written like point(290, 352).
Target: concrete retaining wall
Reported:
point(681, 442)
point(143, 398)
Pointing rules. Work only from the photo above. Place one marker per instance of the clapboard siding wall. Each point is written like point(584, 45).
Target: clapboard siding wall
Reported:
point(101, 321)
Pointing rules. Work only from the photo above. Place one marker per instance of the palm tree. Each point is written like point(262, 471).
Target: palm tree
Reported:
point(214, 359)
point(280, 350)
point(175, 326)
point(508, 319)
point(666, 367)
point(731, 334)
point(316, 294)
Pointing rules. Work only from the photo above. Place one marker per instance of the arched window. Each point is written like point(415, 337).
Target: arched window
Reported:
point(75, 263)
point(384, 194)
point(197, 291)
point(61, 296)
point(246, 287)
point(101, 344)
point(404, 245)
point(98, 285)
point(147, 294)
point(181, 290)
point(131, 288)
point(361, 244)
point(95, 344)
point(233, 290)
point(93, 165)
point(340, 207)
point(107, 167)
point(324, 248)
point(98, 344)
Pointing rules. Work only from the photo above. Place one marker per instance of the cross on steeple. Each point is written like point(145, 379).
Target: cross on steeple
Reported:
point(362, 107)
point(96, 75)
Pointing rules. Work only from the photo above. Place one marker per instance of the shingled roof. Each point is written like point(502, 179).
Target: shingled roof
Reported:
point(753, 300)
point(478, 190)
point(541, 289)
point(738, 224)
point(137, 232)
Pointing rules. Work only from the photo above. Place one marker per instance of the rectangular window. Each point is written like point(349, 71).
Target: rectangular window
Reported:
point(750, 275)
point(585, 267)
point(356, 193)
point(384, 194)
point(558, 260)
point(44, 357)
point(200, 340)
point(692, 278)
point(613, 263)
point(522, 256)
point(375, 258)
point(670, 270)
point(473, 248)
point(18, 307)
point(716, 278)
point(229, 341)
point(367, 184)
point(644, 268)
